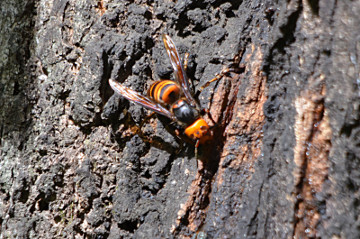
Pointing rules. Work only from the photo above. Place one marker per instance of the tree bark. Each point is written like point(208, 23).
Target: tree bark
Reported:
point(78, 162)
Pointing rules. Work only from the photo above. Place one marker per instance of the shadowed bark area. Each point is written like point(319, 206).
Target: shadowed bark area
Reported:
point(77, 161)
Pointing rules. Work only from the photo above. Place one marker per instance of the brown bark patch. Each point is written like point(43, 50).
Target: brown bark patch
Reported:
point(192, 211)
point(313, 142)
point(101, 7)
point(246, 119)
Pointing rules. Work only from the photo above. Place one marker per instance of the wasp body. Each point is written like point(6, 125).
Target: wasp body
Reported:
point(172, 99)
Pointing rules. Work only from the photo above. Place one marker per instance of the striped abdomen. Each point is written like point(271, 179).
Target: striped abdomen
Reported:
point(164, 92)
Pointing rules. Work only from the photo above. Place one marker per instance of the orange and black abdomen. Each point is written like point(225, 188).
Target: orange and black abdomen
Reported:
point(164, 92)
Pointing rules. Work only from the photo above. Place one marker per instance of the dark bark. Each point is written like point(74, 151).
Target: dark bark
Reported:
point(285, 159)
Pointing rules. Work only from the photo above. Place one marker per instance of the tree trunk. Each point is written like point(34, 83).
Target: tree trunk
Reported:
point(79, 161)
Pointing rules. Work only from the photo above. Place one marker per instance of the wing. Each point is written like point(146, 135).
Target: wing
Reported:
point(138, 98)
point(179, 71)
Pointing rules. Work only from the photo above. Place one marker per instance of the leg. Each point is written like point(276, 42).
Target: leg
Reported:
point(196, 156)
point(186, 61)
point(217, 77)
point(139, 129)
point(159, 143)
point(169, 128)
point(146, 119)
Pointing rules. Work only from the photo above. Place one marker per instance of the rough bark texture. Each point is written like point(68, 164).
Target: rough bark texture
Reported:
point(285, 160)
